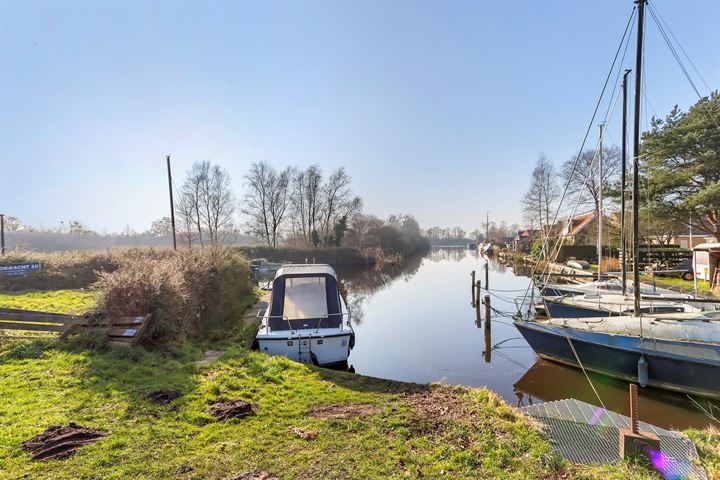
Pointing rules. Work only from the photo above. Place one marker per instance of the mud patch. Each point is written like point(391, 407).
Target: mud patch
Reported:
point(343, 412)
point(59, 442)
point(255, 475)
point(234, 409)
point(163, 397)
point(440, 404)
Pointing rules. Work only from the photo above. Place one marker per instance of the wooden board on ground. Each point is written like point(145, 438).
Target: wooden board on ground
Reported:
point(30, 320)
point(127, 331)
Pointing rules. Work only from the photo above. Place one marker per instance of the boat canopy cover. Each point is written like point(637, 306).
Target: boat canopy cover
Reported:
point(305, 269)
point(305, 297)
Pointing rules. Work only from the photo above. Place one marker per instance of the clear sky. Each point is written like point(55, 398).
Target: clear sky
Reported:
point(438, 109)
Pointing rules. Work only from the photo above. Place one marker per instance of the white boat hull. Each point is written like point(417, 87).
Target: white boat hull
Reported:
point(308, 347)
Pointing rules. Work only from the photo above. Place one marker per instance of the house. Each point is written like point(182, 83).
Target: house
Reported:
point(684, 241)
point(523, 240)
point(581, 230)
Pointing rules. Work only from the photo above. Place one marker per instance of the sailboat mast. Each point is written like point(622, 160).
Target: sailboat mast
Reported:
point(636, 156)
point(623, 183)
point(600, 207)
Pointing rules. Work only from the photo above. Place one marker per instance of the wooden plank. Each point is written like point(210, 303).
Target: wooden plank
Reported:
point(141, 330)
point(128, 321)
point(40, 327)
point(123, 332)
point(42, 317)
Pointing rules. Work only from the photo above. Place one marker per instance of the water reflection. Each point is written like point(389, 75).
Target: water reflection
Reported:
point(417, 324)
point(548, 381)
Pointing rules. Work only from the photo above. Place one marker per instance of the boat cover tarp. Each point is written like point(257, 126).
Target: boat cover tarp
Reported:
point(305, 296)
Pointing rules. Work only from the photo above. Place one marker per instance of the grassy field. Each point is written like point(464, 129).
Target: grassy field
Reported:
point(57, 301)
point(355, 426)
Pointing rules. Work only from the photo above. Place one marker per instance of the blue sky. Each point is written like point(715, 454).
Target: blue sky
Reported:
point(438, 109)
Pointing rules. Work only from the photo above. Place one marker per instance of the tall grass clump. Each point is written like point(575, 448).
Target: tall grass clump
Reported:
point(611, 264)
point(183, 290)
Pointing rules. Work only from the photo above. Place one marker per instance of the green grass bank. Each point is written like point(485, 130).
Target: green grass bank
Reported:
point(309, 422)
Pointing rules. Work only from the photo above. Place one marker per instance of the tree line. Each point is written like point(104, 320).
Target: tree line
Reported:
point(679, 179)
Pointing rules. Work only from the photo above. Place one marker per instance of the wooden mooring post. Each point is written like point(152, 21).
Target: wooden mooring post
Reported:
point(488, 344)
point(486, 301)
point(478, 314)
point(472, 287)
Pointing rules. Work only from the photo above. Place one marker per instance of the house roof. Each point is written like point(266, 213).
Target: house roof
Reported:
point(710, 247)
point(580, 222)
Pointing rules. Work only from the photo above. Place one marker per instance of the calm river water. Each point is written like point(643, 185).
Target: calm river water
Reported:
point(417, 325)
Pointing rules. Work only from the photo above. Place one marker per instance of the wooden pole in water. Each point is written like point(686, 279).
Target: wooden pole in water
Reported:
point(487, 311)
point(472, 287)
point(488, 345)
point(478, 313)
point(487, 275)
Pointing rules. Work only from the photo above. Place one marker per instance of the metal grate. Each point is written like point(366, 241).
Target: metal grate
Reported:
point(583, 433)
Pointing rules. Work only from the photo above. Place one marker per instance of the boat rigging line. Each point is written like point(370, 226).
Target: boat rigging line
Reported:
point(625, 36)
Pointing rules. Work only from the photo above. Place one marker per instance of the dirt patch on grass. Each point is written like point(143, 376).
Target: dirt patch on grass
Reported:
point(440, 404)
point(233, 409)
point(163, 397)
point(343, 412)
point(60, 442)
point(255, 475)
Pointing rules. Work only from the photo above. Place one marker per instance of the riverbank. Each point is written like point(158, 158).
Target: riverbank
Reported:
point(331, 255)
point(306, 422)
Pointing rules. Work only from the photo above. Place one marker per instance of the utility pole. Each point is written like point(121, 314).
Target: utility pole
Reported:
point(172, 206)
point(623, 182)
point(2, 234)
point(636, 157)
point(600, 207)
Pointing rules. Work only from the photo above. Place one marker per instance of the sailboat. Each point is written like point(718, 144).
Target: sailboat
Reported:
point(676, 351)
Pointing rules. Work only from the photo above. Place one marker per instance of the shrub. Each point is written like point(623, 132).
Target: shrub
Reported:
point(610, 264)
point(182, 290)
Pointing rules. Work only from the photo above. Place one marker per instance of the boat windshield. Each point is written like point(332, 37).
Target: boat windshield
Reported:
point(305, 298)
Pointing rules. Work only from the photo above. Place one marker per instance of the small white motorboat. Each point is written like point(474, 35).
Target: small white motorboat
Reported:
point(307, 319)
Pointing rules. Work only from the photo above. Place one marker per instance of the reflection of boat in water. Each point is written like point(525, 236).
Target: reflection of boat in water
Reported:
point(549, 381)
point(306, 319)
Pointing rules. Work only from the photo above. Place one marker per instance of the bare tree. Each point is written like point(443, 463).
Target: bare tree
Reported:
point(584, 182)
point(266, 200)
point(305, 198)
point(206, 201)
point(539, 201)
point(337, 201)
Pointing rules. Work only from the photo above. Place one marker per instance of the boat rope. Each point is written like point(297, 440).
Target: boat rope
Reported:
point(582, 367)
point(625, 35)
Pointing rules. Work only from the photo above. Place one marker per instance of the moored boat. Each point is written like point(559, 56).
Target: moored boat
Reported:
point(680, 352)
point(307, 319)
